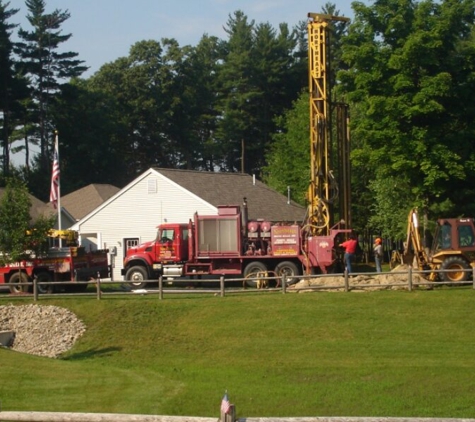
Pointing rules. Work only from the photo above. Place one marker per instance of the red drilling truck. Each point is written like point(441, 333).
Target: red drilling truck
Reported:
point(229, 244)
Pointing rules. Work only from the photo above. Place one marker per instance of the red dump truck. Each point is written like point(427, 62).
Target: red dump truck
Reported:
point(229, 244)
point(71, 264)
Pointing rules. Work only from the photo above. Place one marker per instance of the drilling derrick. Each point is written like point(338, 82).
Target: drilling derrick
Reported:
point(323, 189)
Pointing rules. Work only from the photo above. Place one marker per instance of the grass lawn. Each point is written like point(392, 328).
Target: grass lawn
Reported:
point(385, 353)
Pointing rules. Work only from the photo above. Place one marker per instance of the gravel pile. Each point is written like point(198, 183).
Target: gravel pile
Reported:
point(41, 330)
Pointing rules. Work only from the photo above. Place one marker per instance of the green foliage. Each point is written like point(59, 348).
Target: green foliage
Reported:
point(375, 354)
point(410, 65)
point(405, 68)
point(289, 155)
point(19, 237)
point(387, 220)
point(14, 221)
point(97, 143)
point(257, 81)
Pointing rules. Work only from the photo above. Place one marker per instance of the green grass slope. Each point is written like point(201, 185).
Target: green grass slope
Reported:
point(400, 354)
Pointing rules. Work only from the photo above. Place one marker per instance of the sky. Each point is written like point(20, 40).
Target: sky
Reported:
point(104, 30)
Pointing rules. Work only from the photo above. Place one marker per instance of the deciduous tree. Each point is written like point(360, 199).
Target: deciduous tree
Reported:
point(410, 69)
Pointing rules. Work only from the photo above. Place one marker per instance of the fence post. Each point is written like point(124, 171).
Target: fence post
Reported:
point(473, 277)
point(160, 287)
point(35, 288)
point(98, 287)
point(409, 276)
point(284, 284)
point(347, 281)
point(221, 285)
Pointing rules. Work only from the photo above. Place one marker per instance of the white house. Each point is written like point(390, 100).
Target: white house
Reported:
point(132, 215)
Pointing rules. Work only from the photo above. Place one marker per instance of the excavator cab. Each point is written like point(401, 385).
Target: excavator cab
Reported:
point(454, 248)
point(454, 234)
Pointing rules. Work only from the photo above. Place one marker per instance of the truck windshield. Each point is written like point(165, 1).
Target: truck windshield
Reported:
point(166, 235)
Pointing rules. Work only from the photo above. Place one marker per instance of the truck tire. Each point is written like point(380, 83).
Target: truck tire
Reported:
point(136, 276)
point(252, 270)
point(15, 281)
point(289, 270)
point(44, 277)
point(459, 267)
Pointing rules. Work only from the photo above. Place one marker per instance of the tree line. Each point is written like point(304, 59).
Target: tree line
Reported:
point(240, 104)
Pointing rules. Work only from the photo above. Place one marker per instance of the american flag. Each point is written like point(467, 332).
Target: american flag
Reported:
point(225, 405)
point(53, 196)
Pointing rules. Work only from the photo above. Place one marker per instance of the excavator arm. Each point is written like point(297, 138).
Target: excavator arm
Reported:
point(413, 248)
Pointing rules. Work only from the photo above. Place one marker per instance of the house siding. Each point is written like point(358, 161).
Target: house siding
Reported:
point(157, 199)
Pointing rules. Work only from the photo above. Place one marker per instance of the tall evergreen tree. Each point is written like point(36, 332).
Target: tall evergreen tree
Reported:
point(257, 81)
point(276, 87)
point(237, 94)
point(89, 133)
point(7, 79)
point(46, 67)
point(204, 63)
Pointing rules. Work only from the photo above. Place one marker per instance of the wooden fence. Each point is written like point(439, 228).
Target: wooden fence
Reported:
point(407, 279)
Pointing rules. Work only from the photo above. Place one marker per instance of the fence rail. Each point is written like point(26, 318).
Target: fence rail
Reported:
point(405, 280)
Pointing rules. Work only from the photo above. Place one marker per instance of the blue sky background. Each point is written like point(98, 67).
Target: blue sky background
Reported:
point(104, 30)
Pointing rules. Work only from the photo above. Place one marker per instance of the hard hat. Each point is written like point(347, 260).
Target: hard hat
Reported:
point(377, 240)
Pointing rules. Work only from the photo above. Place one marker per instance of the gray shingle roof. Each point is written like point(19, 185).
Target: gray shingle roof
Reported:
point(230, 189)
point(82, 201)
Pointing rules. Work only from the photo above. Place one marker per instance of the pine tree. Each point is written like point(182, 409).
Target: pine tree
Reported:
point(6, 79)
point(46, 67)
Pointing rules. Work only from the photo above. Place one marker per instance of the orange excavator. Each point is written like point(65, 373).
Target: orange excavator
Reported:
point(452, 251)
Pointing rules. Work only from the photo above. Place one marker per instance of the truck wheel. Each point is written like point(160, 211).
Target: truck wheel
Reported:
point(289, 270)
point(137, 276)
point(15, 281)
point(44, 277)
point(254, 270)
point(458, 265)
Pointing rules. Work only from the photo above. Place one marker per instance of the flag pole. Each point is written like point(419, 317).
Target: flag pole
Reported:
point(56, 146)
point(55, 193)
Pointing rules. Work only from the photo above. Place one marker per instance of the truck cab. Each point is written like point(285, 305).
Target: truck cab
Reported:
point(172, 243)
point(163, 256)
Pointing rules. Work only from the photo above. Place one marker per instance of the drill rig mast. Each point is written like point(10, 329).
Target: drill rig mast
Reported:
point(323, 188)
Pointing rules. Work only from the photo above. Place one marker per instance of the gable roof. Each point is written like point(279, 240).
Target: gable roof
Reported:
point(82, 201)
point(230, 189)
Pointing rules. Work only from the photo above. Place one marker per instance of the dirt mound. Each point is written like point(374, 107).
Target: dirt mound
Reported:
point(397, 279)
